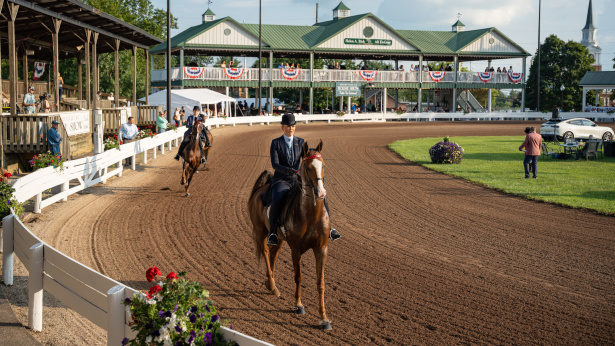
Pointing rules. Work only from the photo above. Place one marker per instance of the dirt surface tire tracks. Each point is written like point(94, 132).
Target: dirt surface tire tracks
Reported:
point(424, 258)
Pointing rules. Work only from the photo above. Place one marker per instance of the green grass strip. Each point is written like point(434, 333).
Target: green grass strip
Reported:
point(496, 162)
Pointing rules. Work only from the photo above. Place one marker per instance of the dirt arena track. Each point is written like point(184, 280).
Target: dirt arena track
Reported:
point(424, 259)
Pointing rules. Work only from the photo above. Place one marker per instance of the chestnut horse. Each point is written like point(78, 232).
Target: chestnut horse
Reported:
point(305, 226)
point(192, 155)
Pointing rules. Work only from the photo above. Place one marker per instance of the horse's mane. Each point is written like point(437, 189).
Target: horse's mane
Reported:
point(294, 197)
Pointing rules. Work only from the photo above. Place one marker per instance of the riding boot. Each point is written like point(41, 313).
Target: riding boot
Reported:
point(182, 146)
point(207, 142)
point(333, 233)
point(272, 238)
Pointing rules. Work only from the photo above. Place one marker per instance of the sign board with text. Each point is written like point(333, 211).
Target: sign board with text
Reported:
point(347, 89)
point(76, 123)
point(368, 41)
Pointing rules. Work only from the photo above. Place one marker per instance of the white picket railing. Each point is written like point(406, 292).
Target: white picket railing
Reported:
point(87, 292)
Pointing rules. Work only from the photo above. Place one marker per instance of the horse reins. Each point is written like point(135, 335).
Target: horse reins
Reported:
point(315, 181)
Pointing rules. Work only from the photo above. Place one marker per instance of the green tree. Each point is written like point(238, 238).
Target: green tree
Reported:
point(562, 63)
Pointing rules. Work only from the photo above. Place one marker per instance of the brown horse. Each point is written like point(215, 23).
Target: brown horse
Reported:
point(305, 226)
point(192, 155)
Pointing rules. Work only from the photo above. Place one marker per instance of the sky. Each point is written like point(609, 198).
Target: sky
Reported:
point(517, 19)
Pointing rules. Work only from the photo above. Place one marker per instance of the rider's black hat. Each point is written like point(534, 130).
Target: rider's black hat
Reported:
point(288, 119)
point(196, 108)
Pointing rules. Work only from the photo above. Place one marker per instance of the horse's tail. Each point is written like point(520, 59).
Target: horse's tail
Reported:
point(263, 179)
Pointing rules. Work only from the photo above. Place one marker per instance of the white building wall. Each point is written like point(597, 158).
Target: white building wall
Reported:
point(356, 31)
point(492, 43)
point(214, 36)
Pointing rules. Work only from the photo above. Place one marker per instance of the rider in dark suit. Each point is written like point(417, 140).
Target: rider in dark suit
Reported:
point(286, 154)
point(198, 116)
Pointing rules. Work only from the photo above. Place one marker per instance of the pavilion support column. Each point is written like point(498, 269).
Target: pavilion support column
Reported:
point(1, 97)
point(116, 52)
point(181, 67)
point(134, 77)
point(584, 99)
point(341, 103)
point(419, 98)
point(598, 91)
point(271, 82)
point(24, 65)
point(489, 92)
point(79, 77)
point(271, 99)
point(385, 99)
point(147, 72)
point(455, 71)
point(311, 82)
point(95, 103)
point(396, 90)
point(13, 9)
point(88, 82)
point(56, 61)
point(524, 84)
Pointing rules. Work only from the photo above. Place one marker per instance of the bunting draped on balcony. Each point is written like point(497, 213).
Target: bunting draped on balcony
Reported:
point(485, 76)
point(368, 75)
point(233, 73)
point(194, 72)
point(437, 76)
point(39, 69)
point(290, 74)
point(515, 77)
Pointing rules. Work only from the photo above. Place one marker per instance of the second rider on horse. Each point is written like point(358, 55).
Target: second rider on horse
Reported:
point(286, 154)
point(198, 116)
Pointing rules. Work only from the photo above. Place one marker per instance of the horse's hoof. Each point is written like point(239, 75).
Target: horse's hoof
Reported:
point(325, 325)
point(187, 195)
point(299, 310)
point(181, 183)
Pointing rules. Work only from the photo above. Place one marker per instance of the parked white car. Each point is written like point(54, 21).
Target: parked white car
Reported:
point(575, 128)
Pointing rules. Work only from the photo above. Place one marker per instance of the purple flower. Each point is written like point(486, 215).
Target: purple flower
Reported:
point(207, 308)
point(156, 333)
point(192, 318)
point(125, 340)
point(178, 329)
point(194, 309)
point(168, 314)
point(214, 318)
point(230, 327)
point(208, 338)
point(127, 301)
point(176, 306)
point(179, 343)
point(149, 325)
point(160, 313)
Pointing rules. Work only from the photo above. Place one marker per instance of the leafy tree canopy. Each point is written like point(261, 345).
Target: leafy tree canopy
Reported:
point(561, 63)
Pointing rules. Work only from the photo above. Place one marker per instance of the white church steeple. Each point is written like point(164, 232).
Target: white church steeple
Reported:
point(589, 38)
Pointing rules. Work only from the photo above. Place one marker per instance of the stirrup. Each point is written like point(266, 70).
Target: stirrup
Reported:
point(203, 160)
point(272, 239)
point(176, 157)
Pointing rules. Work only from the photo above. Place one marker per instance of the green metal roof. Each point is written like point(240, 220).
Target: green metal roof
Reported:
point(209, 12)
point(598, 78)
point(309, 38)
point(458, 23)
point(342, 7)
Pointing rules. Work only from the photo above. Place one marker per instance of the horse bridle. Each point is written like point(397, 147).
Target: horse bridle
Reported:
point(313, 183)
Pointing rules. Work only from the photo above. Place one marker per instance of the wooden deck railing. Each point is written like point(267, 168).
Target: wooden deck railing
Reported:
point(28, 133)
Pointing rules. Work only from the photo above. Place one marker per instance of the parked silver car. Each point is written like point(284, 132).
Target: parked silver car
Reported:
point(575, 128)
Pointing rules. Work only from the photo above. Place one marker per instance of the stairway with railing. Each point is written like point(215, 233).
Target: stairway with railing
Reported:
point(466, 99)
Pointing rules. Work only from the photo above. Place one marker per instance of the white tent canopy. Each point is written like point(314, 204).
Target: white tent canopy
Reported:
point(188, 98)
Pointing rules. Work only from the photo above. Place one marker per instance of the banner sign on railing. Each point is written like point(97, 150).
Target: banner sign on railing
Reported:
point(290, 74)
point(76, 123)
point(515, 77)
point(347, 89)
point(485, 76)
point(233, 73)
point(368, 75)
point(193, 72)
point(437, 76)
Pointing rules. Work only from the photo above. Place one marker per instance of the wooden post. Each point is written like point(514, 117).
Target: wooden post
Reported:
point(79, 77)
point(88, 82)
point(147, 71)
point(56, 61)
point(116, 317)
point(134, 76)
point(35, 287)
point(94, 68)
point(116, 97)
point(7, 249)
point(13, 9)
point(24, 63)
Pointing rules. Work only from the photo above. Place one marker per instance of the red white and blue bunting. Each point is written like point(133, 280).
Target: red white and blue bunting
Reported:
point(39, 69)
point(515, 77)
point(233, 73)
point(368, 75)
point(290, 74)
point(193, 72)
point(485, 76)
point(437, 76)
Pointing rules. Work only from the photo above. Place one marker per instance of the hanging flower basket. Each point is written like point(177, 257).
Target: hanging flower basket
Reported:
point(446, 152)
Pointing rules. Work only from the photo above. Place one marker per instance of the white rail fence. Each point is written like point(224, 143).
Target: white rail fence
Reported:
point(87, 292)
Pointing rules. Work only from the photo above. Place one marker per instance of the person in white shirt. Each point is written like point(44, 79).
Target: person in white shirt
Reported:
point(128, 133)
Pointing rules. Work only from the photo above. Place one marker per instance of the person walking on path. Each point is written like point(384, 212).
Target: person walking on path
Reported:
point(532, 144)
point(128, 133)
point(161, 124)
point(54, 139)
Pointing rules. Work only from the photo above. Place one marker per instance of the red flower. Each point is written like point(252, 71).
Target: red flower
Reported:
point(7, 174)
point(151, 273)
point(153, 290)
point(172, 275)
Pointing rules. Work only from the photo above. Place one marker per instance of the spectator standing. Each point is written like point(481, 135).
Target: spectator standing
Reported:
point(176, 117)
point(29, 102)
point(46, 106)
point(280, 65)
point(504, 69)
point(98, 95)
point(510, 70)
point(61, 87)
point(223, 64)
point(54, 139)
point(5, 98)
point(532, 144)
point(161, 124)
point(110, 97)
point(128, 133)
point(337, 65)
